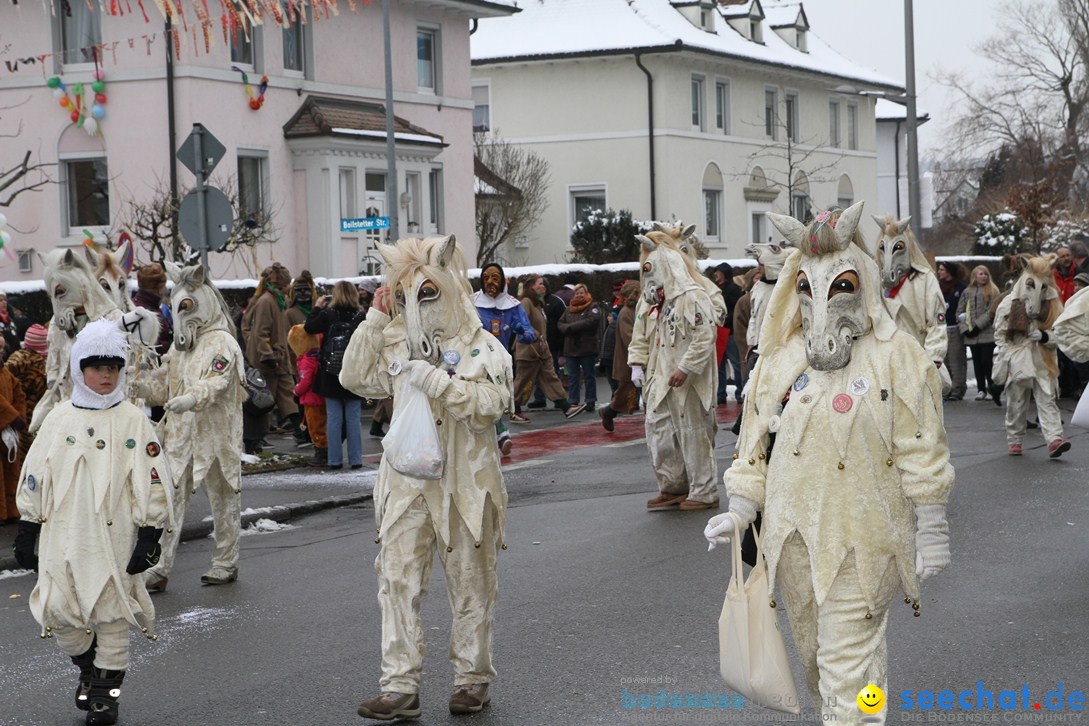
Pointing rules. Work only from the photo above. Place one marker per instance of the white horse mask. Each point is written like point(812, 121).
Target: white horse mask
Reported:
point(72, 287)
point(830, 289)
point(196, 305)
point(771, 256)
point(667, 271)
point(896, 251)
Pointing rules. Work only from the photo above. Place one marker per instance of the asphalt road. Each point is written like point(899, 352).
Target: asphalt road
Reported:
point(599, 599)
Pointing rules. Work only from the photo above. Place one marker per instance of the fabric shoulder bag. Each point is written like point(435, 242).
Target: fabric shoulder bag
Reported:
point(752, 655)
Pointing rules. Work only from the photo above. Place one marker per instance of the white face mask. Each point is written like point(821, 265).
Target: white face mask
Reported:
point(833, 309)
point(893, 252)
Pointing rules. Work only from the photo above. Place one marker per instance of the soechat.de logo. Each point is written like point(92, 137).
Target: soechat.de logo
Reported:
point(982, 699)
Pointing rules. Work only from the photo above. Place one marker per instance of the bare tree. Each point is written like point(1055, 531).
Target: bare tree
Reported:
point(24, 176)
point(154, 220)
point(511, 192)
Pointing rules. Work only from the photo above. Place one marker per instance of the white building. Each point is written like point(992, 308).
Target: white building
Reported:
point(892, 164)
point(711, 112)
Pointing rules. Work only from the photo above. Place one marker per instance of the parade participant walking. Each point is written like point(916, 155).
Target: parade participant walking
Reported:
point(535, 359)
point(1027, 367)
point(975, 324)
point(93, 492)
point(581, 327)
point(956, 359)
point(504, 317)
point(264, 327)
point(434, 342)
point(672, 356)
point(626, 397)
point(200, 386)
point(853, 499)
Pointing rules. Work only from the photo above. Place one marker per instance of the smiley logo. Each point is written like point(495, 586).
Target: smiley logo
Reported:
point(871, 699)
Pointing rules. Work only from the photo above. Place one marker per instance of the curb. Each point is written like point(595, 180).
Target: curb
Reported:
point(280, 513)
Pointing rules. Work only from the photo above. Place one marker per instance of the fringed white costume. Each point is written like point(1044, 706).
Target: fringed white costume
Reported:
point(772, 257)
point(676, 332)
point(853, 498)
point(434, 341)
point(1071, 328)
point(200, 384)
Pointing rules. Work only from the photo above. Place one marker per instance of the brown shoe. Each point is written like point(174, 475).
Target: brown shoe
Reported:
point(389, 705)
point(691, 505)
point(666, 500)
point(470, 698)
point(607, 415)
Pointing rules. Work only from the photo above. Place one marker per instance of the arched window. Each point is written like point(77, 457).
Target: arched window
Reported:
point(712, 201)
point(845, 194)
point(84, 181)
point(799, 198)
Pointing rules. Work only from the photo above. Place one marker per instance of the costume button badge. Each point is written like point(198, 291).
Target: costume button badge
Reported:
point(842, 403)
point(451, 357)
point(394, 368)
point(801, 382)
point(860, 386)
point(100, 444)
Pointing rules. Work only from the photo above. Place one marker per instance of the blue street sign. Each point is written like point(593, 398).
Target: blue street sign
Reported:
point(363, 223)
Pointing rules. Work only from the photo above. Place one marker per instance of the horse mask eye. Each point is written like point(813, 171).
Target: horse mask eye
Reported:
point(845, 283)
point(185, 305)
point(802, 286)
point(428, 291)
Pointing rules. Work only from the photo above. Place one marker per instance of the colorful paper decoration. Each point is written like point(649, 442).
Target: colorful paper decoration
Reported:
point(83, 113)
point(257, 100)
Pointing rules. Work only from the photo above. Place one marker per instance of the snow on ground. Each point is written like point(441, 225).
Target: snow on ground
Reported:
point(5, 574)
point(265, 526)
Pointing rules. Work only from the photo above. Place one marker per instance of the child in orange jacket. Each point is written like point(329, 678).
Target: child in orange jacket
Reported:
point(307, 348)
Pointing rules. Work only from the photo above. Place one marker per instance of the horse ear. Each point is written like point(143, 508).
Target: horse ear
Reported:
point(880, 221)
point(122, 256)
point(648, 244)
point(387, 251)
point(776, 249)
point(1022, 263)
point(659, 227)
point(92, 256)
point(196, 274)
point(445, 249)
point(173, 271)
point(903, 224)
point(688, 231)
point(848, 223)
point(790, 228)
point(68, 259)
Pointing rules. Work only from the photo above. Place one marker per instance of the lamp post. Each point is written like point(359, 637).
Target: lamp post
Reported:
point(391, 152)
point(914, 198)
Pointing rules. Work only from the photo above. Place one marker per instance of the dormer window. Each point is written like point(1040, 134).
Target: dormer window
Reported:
point(706, 23)
point(802, 44)
point(756, 33)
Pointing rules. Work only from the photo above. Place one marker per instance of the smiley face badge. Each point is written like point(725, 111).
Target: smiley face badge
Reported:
point(871, 699)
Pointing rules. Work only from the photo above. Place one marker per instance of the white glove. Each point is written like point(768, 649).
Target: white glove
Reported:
point(931, 540)
point(637, 379)
point(1035, 335)
point(418, 373)
point(181, 404)
point(961, 317)
point(721, 527)
point(11, 441)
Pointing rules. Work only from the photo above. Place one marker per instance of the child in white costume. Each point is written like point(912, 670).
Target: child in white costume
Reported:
point(200, 384)
point(434, 342)
point(853, 499)
point(673, 349)
point(93, 490)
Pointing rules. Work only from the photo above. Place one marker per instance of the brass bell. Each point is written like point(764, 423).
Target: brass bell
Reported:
point(869, 616)
point(378, 540)
point(915, 606)
point(797, 453)
point(43, 520)
point(42, 635)
point(48, 629)
point(735, 456)
point(153, 637)
point(143, 630)
point(888, 462)
point(477, 545)
point(840, 466)
point(918, 434)
point(88, 631)
point(449, 549)
point(170, 530)
point(772, 604)
point(917, 613)
point(907, 600)
point(760, 456)
point(752, 461)
point(438, 422)
point(109, 522)
point(504, 546)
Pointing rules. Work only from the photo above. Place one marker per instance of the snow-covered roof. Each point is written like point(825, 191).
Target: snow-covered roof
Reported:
point(780, 15)
point(886, 110)
point(559, 28)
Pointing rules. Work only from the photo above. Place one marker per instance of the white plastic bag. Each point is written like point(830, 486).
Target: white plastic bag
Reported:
point(412, 443)
point(1081, 413)
point(752, 655)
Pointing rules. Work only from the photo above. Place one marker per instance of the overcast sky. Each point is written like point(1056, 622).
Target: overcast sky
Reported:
point(871, 33)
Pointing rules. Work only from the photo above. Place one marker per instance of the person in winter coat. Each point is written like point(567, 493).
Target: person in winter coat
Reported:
point(335, 317)
point(535, 359)
point(264, 327)
point(554, 307)
point(956, 360)
point(626, 397)
point(9, 333)
point(27, 365)
point(975, 324)
point(307, 349)
point(853, 496)
point(581, 327)
point(94, 494)
point(151, 285)
point(12, 423)
point(723, 275)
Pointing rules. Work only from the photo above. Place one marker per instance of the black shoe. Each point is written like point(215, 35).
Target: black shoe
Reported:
point(536, 404)
point(357, 466)
point(591, 406)
point(105, 690)
point(86, 665)
point(607, 415)
point(1032, 425)
point(376, 429)
point(334, 467)
point(321, 455)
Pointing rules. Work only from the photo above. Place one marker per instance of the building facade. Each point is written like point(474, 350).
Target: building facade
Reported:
point(312, 152)
point(707, 112)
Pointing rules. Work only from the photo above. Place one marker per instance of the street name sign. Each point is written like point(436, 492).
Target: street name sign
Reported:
point(364, 223)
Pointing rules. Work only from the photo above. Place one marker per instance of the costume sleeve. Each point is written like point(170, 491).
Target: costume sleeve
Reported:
point(10, 410)
point(154, 382)
point(1071, 328)
point(920, 445)
point(701, 350)
point(262, 327)
point(747, 476)
point(1001, 318)
point(306, 376)
point(365, 370)
point(520, 317)
point(37, 474)
point(937, 336)
point(318, 321)
point(477, 404)
point(639, 347)
point(219, 373)
point(150, 480)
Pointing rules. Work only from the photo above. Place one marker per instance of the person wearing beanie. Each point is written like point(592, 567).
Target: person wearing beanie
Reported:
point(27, 366)
point(93, 493)
point(151, 284)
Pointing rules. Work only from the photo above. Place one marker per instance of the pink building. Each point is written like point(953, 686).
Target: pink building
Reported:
point(312, 154)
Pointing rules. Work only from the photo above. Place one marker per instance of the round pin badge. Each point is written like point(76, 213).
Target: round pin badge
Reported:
point(807, 399)
point(70, 440)
point(859, 386)
point(801, 382)
point(842, 403)
point(395, 368)
point(130, 444)
point(31, 482)
point(451, 357)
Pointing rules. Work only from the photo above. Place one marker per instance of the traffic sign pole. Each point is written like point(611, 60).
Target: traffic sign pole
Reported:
point(198, 133)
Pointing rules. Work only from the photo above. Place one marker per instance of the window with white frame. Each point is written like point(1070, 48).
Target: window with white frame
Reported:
point(792, 116)
point(434, 194)
point(80, 31)
point(799, 206)
point(759, 227)
point(712, 201)
point(252, 184)
point(833, 124)
point(771, 113)
point(756, 33)
point(294, 36)
point(243, 43)
point(722, 106)
point(410, 201)
point(585, 201)
point(852, 126)
point(347, 193)
point(87, 188)
point(427, 59)
point(697, 103)
point(482, 107)
point(845, 192)
point(803, 42)
point(26, 260)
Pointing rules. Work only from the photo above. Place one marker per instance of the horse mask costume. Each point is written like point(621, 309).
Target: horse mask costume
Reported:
point(853, 499)
point(200, 385)
point(772, 257)
point(1025, 354)
point(431, 338)
point(112, 271)
point(673, 350)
